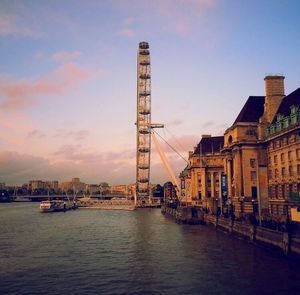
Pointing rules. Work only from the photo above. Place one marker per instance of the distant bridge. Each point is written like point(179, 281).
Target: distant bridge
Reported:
point(39, 198)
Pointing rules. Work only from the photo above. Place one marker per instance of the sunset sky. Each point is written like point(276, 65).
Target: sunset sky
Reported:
point(68, 78)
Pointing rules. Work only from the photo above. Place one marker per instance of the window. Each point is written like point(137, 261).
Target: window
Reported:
point(298, 153)
point(291, 172)
point(270, 173)
point(289, 155)
point(282, 158)
point(276, 191)
point(298, 169)
point(275, 159)
point(253, 175)
point(283, 191)
point(283, 171)
point(252, 163)
point(276, 173)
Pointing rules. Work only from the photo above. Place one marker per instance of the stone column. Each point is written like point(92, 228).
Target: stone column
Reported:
point(220, 192)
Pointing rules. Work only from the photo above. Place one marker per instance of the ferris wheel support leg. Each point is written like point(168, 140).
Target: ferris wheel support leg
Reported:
point(166, 163)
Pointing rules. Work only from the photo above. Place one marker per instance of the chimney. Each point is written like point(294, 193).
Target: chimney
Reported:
point(274, 94)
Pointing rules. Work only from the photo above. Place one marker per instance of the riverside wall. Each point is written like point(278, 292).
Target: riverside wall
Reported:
point(286, 242)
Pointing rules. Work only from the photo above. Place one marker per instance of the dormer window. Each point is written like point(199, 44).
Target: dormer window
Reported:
point(294, 109)
point(279, 117)
point(230, 139)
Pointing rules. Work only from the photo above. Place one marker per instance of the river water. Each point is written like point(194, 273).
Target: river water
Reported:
point(131, 252)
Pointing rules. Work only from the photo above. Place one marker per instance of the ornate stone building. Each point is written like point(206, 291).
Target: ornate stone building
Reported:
point(255, 167)
point(282, 138)
point(262, 150)
point(201, 179)
point(245, 163)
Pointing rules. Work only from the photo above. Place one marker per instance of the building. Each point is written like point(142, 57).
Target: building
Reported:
point(245, 164)
point(282, 138)
point(170, 195)
point(201, 179)
point(52, 185)
point(93, 189)
point(262, 151)
point(75, 185)
point(35, 185)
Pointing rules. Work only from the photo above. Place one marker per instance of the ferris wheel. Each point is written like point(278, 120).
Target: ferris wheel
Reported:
point(145, 131)
point(143, 124)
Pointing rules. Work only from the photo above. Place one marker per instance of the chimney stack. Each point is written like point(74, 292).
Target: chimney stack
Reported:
point(274, 94)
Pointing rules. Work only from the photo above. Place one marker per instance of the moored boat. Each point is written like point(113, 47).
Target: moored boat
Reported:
point(53, 206)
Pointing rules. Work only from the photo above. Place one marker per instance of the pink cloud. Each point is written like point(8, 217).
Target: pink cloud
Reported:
point(127, 30)
point(36, 134)
point(10, 25)
point(175, 122)
point(66, 56)
point(76, 135)
point(181, 144)
point(178, 16)
point(23, 93)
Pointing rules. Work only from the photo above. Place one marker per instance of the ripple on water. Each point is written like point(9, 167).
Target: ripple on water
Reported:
point(140, 252)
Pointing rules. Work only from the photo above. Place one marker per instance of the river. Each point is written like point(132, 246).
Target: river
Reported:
point(131, 252)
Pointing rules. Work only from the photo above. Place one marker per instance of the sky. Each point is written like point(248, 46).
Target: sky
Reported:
point(68, 79)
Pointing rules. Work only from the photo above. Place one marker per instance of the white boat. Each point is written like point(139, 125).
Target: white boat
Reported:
point(53, 206)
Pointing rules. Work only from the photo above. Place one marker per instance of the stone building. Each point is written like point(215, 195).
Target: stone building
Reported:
point(262, 152)
point(282, 138)
point(245, 164)
point(75, 185)
point(201, 179)
point(170, 195)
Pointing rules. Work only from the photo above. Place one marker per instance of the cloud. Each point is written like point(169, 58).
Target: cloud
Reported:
point(175, 122)
point(69, 161)
point(182, 144)
point(74, 153)
point(23, 93)
point(76, 135)
point(179, 15)
point(11, 25)
point(66, 56)
point(126, 30)
point(214, 127)
point(36, 134)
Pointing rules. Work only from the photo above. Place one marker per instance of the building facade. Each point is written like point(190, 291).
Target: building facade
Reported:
point(201, 179)
point(282, 138)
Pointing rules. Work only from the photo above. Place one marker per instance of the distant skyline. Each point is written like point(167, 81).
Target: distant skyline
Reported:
point(68, 78)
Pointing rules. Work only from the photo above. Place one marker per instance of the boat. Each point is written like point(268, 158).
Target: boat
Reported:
point(53, 206)
point(4, 196)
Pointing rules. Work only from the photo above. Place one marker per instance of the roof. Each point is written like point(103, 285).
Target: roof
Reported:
point(208, 145)
point(289, 100)
point(252, 110)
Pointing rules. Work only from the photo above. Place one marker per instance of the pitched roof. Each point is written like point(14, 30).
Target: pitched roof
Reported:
point(208, 145)
point(289, 100)
point(252, 110)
